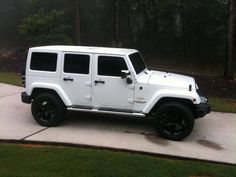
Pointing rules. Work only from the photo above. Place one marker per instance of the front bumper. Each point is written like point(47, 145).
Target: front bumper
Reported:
point(200, 110)
point(25, 98)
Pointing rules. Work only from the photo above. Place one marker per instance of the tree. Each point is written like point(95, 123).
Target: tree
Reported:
point(193, 29)
point(116, 23)
point(146, 23)
point(78, 22)
point(45, 28)
point(228, 71)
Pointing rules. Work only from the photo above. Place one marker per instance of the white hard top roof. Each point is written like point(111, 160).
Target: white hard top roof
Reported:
point(85, 49)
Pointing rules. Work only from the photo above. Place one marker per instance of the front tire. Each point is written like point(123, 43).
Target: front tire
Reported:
point(48, 110)
point(174, 121)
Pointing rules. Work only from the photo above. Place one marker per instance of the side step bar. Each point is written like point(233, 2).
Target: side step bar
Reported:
point(107, 112)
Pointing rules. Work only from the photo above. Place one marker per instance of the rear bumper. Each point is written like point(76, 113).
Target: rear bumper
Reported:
point(202, 109)
point(25, 98)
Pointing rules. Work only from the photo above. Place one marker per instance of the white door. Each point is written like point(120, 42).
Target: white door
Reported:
point(110, 91)
point(76, 77)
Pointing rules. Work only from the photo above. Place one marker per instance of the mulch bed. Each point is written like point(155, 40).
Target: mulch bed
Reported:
point(211, 86)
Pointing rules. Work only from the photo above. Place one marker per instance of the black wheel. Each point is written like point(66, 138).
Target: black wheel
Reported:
point(48, 110)
point(174, 121)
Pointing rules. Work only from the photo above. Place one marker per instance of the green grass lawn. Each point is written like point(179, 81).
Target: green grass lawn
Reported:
point(217, 104)
point(42, 161)
point(10, 78)
point(223, 104)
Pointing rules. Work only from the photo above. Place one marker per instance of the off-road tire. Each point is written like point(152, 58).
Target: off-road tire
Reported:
point(174, 121)
point(48, 110)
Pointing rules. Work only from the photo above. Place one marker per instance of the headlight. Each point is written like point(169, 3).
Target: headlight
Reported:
point(203, 99)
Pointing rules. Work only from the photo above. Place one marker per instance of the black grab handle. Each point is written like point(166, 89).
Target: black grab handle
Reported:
point(99, 82)
point(68, 79)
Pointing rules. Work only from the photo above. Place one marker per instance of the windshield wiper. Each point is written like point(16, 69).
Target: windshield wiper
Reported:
point(145, 72)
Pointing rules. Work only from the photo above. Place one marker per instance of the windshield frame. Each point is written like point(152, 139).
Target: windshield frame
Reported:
point(137, 61)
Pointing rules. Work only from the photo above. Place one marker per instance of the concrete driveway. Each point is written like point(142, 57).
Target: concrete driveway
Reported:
point(213, 138)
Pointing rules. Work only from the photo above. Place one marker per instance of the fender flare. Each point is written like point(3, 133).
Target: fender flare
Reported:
point(164, 93)
point(58, 89)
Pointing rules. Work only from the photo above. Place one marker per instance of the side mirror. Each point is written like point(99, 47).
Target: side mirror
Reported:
point(125, 74)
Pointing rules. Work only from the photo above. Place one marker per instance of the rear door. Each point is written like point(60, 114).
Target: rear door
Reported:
point(76, 77)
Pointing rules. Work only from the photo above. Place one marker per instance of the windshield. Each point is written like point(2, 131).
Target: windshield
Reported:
point(137, 62)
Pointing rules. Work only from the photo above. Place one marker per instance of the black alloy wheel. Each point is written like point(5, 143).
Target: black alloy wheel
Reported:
point(174, 121)
point(48, 110)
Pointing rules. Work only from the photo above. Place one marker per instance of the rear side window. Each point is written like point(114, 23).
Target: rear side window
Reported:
point(76, 63)
point(43, 61)
point(111, 66)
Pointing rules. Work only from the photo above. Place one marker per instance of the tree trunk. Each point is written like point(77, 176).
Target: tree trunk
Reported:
point(155, 21)
point(77, 21)
point(182, 27)
point(228, 71)
point(146, 24)
point(116, 23)
point(129, 26)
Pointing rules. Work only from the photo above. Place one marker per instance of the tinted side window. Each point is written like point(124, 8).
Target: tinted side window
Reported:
point(111, 66)
point(43, 61)
point(75, 63)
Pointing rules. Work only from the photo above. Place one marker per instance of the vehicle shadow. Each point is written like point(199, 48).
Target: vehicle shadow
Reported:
point(124, 124)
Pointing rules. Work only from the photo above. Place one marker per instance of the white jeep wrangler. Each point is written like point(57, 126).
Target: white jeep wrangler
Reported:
point(109, 80)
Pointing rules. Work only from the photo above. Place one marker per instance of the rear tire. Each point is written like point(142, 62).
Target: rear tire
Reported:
point(48, 110)
point(174, 121)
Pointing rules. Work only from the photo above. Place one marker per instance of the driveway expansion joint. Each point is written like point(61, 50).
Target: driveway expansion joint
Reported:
point(22, 139)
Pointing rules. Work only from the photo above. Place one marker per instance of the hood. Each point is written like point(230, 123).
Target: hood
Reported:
point(166, 79)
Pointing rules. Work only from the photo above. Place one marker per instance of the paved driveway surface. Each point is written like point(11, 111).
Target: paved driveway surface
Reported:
point(213, 138)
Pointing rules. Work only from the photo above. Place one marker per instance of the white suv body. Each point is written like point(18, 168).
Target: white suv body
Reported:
point(106, 80)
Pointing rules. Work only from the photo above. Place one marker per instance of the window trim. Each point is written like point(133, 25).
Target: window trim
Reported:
point(107, 55)
point(76, 53)
point(47, 52)
point(133, 63)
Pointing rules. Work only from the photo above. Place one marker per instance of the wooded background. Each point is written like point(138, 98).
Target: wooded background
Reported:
point(183, 30)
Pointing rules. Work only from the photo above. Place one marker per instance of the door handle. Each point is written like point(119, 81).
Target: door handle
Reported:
point(99, 82)
point(68, 79)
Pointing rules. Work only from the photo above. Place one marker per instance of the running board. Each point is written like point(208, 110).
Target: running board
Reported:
point(107, 112)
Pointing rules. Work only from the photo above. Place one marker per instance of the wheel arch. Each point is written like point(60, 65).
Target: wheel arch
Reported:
point(53, 89)
point(163, 95)
point(163, 100)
